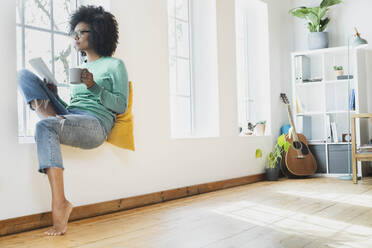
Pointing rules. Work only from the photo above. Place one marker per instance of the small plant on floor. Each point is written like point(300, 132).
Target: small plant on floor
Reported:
point(275, 156)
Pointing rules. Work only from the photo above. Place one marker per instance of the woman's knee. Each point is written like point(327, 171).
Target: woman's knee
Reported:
point(26, 77)
point(23, 73)
point(45, 125)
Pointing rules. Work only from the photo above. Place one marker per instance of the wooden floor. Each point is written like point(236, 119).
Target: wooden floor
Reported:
point(312, 213)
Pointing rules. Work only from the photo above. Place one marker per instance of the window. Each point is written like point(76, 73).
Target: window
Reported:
point(252, 57)
point(42, 31)
point(193, 68)
point(180, 67)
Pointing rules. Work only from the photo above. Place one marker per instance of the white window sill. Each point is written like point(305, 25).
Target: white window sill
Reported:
point(193, 137)
point(253, 135)
point(26, 140)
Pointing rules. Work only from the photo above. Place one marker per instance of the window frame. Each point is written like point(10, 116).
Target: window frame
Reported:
point(24, 137)
point(251, 108)
point(174, 93)
point(247, 113)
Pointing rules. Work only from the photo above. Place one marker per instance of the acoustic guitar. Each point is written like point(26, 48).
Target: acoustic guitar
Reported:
point(299, 161)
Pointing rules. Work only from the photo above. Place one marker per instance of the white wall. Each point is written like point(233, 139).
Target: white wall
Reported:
point(159, 163)
point(281, 44)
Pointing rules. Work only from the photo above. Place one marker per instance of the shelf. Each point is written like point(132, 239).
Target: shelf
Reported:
point(337, 81)
point(328, 50)
point(319, 105)
point(309, 83)
point(327, 112)
point(310, 113)
point(323, 82)
point(338, 143)
point(316, 143)
point(340, 112)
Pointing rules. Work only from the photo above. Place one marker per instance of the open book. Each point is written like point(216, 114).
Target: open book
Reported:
point(42, 69)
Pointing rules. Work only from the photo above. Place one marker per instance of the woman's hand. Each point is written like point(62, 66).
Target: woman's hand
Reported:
point(53, 88)
point(87, 78)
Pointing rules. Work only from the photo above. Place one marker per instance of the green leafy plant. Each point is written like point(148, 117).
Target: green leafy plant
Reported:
point(338, 68)
point(316, 18)
point(282, 145)
point(258, 153)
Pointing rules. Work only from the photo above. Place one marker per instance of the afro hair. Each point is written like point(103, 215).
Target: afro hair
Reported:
point(104, 33)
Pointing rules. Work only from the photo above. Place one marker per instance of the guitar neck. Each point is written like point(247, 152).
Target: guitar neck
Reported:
point(292, 123)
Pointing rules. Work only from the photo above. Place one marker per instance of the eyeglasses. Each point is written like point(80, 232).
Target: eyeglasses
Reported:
point(79, 33)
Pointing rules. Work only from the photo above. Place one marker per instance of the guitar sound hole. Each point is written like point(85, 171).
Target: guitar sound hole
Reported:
point(300, 145)
point(304, 149)
point(296, 145)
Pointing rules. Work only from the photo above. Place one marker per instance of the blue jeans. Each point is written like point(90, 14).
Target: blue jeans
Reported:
point(71, 127)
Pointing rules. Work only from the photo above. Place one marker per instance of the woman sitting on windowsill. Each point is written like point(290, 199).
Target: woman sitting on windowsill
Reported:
point(87, 121)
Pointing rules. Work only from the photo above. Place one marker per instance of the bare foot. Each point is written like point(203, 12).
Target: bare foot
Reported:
point(60, 215)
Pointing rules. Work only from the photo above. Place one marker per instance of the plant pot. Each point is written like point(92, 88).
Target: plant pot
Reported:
point(272, 174)
point(259, 130)
point(339, 73)
point(317, 40)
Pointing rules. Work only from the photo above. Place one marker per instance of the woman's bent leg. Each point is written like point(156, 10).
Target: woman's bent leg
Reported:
point(38, 95)
point(50, 162)
point(75, 130)
point(43, 108)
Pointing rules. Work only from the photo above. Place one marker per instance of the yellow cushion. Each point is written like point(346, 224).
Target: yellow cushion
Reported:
point(122, 132)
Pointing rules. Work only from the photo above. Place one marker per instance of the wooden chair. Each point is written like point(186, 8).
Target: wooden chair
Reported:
point(357, 155)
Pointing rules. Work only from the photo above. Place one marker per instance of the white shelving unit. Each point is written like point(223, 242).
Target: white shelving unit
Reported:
point(315, 102)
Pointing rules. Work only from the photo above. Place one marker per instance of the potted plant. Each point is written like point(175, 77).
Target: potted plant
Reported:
point(317, 22)
point(274, 158)
point(339, 70)
point(256, 129)
point(259, 128)
point(250, 128)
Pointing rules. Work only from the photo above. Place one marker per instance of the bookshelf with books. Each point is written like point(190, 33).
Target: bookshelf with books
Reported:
point(322, 105)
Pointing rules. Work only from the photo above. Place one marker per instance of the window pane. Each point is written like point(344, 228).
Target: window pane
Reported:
point(62, 10)
point(183, 77)
point(18, 11)
point(37, 13)
point(172, 74)
point(181, 116)
point(38, 45)
point(172, 36)
point(62, 57)
point(19, 48)
point(182, 9)
point(252, 62)
point(171, 8)
point(182, 34)
point(21, 121)
point(31, 120)
point(63, 61)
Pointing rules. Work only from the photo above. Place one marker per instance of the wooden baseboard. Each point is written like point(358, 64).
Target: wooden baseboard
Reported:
point(30, 222)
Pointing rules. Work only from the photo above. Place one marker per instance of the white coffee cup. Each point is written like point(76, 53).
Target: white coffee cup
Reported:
point(75, 75)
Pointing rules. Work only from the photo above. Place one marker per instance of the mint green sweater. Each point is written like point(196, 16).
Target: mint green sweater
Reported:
point(108, 96)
